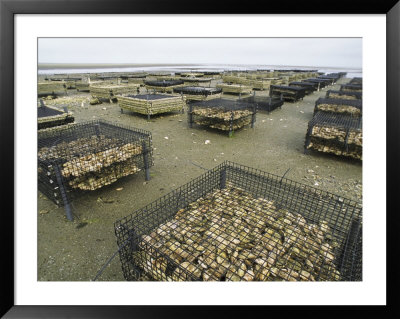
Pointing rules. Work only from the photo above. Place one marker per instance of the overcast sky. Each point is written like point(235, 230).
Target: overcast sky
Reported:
point(333, 52)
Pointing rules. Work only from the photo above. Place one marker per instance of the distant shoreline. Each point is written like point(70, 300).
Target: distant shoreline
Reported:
point(50, 66)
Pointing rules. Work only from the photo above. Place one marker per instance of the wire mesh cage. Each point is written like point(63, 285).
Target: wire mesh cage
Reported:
point(338, 134)
point(341, 106)
point(88, 156)
point(163, 86)
point(151, 104)
point(321, 83)
point(334, 94)
point(332, 77)
point(264, 103)
point(222, 114)
point(290, 93)
point(310, 87)
point(196, 93)
point(236, 223)
point(51, 88)
point(356, 80)
point(196, 80)
point(234, 88)
point(49, 116)
point(110, 91)
point(351, 87)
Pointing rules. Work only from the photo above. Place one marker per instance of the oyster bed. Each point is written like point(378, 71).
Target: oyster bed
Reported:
point(229, 235)
point(95, 168)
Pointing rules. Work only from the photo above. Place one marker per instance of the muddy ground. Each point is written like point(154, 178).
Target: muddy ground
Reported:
point(76, 251)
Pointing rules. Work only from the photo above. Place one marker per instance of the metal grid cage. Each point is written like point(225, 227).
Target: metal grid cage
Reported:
point(342, 106)
point(291, 93)
point(51, 117)
point(264, 103)
point(88, 156)
point(344, 95)
point(356, 80)
point(236, 223)
point(339, 134)
point(351, 87)
point(163, 83)
point(320, 82)
point(332, 77)
point(151, 104)
point(197, 90)
point(222, 114)
point(310, 87)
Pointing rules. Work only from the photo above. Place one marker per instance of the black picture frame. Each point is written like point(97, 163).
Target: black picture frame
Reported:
point(8, 8)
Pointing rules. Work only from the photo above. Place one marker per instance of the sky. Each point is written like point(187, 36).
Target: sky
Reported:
point(329, 52)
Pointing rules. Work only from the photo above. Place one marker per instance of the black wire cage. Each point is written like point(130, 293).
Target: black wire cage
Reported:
point(356, 80)
point(289, 93)
point(236, 223)
point(265, 103)
point(341, 106)
point(321, 83)
point(87, 156)
point(49, 116)
point(351, 87)
point(310, 87)
point(222, 114)
point(332, 77)
point(335, 94)
point(339, 134)
point(198, 92)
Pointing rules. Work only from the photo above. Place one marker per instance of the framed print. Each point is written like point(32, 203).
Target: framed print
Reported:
point(179, 143)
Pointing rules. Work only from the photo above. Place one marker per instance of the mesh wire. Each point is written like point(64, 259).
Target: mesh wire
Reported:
point(264, 102)
point(340, 134)
point(322, 82)
point(310, 87)
point(356, 80)
point(344, 94)
point(149, 96)
point(88, 156)
point(196, 90)
point(222, 114)
point(288, 92)
point(163, 83)
point(353, 107)
point(46, 111)
point(238, 223)
point(351, 87)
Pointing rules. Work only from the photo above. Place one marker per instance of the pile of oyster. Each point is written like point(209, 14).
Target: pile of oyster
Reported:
point(330, 139)
point(221, 114)
point(220, 119)
point(230, 235)
point(86, 167)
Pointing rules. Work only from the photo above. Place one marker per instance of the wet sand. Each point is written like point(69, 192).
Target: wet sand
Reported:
point(77, 250)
